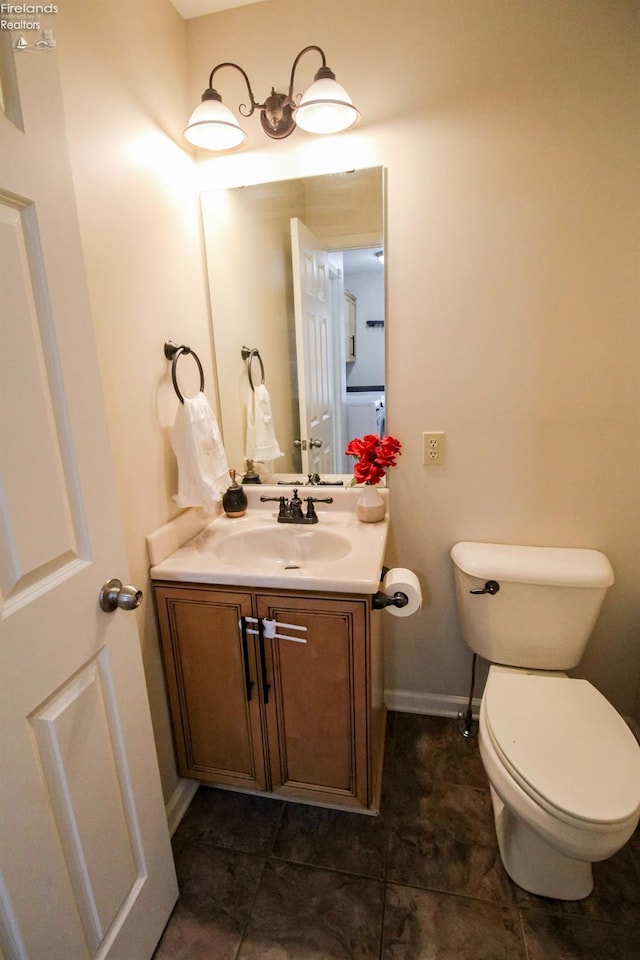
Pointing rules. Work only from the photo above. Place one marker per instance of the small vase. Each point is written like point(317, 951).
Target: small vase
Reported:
point(370, 506)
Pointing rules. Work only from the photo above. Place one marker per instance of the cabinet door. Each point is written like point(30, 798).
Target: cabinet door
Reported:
point(317, 708)
point(212, 679)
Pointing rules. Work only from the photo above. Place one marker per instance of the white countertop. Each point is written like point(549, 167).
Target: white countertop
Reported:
point(338, 554)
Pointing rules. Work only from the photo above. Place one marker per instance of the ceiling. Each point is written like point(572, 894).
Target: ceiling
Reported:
point(198, 8)
point(361, 261)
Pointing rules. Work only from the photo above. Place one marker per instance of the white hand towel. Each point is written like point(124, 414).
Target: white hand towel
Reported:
point(203, 472)
point(261, 440)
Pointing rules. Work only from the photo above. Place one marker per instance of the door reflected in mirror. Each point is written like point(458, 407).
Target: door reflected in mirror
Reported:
point(296, 271)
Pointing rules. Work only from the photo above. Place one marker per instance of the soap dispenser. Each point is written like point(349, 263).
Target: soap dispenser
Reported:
point(251, 476)
point(234, 501)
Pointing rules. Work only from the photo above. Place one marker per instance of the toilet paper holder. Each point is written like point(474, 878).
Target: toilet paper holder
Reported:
point(382, 600)
point(399, 593)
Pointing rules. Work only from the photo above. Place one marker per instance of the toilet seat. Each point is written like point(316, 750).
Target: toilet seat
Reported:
point(565, 745)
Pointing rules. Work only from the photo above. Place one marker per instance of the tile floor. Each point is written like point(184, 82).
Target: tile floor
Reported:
point(263, 879)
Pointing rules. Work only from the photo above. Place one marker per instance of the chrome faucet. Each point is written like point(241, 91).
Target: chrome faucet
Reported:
point(290, 511)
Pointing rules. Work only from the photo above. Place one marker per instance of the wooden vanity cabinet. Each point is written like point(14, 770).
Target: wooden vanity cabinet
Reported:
point(215, 707)
point(303, 721)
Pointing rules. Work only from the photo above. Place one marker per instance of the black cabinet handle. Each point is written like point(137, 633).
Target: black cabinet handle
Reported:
point(245, 658)
point(263, 661)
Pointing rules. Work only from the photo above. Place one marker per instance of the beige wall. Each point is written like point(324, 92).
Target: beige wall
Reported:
point(508, 131)
point(509, 134)
point(124, 72)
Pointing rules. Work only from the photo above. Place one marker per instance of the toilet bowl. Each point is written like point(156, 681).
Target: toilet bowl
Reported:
point(564, 772)
point(563, 766)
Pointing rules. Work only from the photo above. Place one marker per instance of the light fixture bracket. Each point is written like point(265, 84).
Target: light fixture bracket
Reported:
point(276, 116)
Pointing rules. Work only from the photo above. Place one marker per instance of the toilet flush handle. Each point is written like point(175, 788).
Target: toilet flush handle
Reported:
point(491, 586)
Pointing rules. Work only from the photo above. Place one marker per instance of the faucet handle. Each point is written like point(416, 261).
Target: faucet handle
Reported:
point(311, 514)
point(282, 510)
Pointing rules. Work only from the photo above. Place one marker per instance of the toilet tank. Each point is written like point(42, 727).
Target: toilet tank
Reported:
point(545, 609)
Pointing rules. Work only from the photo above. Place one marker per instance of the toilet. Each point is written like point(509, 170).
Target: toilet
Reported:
point(563, 766)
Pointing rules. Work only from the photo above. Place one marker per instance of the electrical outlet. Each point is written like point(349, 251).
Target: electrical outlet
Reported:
point(433, 449)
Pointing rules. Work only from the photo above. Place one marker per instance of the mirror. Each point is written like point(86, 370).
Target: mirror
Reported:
point(296, 272)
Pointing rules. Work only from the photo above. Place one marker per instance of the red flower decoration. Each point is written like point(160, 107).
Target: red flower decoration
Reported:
point(375, 455)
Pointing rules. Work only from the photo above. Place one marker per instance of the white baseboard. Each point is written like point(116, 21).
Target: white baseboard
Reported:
point(179, 803)
point(441, 705)
point(429, 704)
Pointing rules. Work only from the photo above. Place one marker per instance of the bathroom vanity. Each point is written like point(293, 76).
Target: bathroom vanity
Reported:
point(300, 719)
point(273, 655)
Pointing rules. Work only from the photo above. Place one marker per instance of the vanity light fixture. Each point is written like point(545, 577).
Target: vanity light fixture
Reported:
point(325, 107)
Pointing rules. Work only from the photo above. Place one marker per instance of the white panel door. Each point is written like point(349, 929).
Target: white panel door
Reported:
point(86, 869)
point(314, 346)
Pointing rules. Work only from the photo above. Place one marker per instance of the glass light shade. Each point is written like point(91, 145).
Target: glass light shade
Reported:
point(212, 126)
point(326, 107)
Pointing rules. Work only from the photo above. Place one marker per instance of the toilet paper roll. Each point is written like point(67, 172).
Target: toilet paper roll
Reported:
point(399, 580)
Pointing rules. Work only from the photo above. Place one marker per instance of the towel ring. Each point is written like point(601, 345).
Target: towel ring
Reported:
point(249, 356)
point(173, 352)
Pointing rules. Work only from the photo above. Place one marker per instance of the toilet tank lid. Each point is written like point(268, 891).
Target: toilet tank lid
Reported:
point(555, 566)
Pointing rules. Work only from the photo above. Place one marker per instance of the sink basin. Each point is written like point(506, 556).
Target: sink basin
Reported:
point(294, 547)
point(339, 553)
